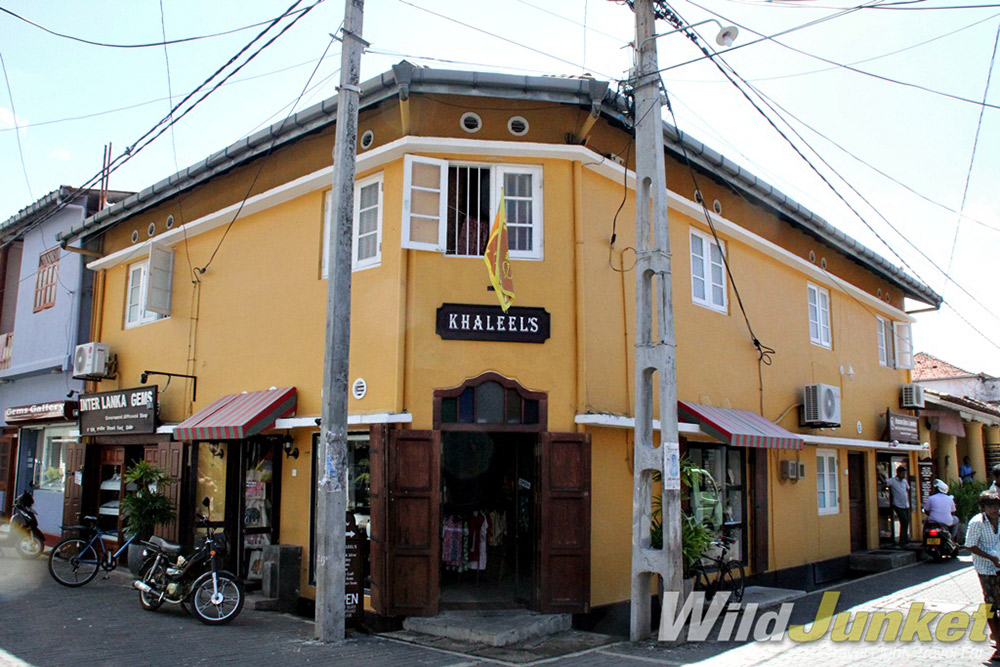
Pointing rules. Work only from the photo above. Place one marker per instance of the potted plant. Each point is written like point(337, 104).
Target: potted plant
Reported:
point(966, 495)
point(143, 507)
point(696, 533)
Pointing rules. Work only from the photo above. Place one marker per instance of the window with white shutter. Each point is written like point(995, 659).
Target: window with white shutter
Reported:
point(903, 340)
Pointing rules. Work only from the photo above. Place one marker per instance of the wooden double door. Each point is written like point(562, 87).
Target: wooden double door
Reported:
point(405, 529)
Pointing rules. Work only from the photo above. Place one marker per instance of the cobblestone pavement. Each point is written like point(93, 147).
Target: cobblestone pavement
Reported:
point(43, 624)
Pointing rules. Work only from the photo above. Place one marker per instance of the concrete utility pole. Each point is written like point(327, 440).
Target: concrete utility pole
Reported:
point(654, 350)
point(331, 499)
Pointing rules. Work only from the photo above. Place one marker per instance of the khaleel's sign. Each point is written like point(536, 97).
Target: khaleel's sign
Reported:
point(123, 412)
point(458, 321)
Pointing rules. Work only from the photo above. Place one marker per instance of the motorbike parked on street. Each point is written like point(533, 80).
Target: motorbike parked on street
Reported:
point(22, 532)
point(195, 582)
point(938, 542)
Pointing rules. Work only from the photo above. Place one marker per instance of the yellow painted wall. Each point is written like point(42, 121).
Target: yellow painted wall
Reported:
point(259, 314)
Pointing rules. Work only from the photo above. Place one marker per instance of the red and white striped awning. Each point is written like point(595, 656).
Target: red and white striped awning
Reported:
point(739, 428)
point(238, 416)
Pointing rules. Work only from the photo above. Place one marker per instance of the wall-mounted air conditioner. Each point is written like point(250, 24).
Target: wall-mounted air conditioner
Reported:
point(911, 396)
point(90, 361)
point(820, 405)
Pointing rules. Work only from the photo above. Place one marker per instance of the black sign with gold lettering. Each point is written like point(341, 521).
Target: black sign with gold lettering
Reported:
point(457, 321)
point(122, 412)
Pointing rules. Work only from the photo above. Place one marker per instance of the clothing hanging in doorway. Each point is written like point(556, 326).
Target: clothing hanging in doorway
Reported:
point(463, 541)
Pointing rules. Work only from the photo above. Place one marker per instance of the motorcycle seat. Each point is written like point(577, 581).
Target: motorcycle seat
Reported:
point(169, 548)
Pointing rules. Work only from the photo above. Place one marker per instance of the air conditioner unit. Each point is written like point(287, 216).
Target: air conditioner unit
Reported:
point(821, 405)
point(789, 470)
point(90, 361)
point(911, 396)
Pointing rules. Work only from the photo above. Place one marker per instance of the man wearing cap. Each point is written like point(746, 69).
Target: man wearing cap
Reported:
point(899, 499)
point(940, 507)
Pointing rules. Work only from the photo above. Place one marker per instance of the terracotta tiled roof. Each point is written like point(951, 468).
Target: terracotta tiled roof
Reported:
point(929, 367)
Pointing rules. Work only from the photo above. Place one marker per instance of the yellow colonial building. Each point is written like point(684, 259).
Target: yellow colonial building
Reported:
point(491, 452)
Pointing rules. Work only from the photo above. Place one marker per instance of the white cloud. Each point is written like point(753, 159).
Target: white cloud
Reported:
point(61, 154)
point(7, 120)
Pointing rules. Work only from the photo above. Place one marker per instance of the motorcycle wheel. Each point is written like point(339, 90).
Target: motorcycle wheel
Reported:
point(221, 608)
point(147, 574)
point(30, 546)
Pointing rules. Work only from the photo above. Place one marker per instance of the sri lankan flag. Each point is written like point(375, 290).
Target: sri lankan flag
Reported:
point(497, 257)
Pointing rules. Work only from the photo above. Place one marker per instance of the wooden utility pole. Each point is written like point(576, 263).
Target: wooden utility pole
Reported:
point(654, 349)
point(331, 498)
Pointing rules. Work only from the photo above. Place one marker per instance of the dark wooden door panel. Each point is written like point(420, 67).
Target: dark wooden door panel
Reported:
point(413, 523)
point(856, 496)
point(377, 524)
point(563, 563)
point(73, 496)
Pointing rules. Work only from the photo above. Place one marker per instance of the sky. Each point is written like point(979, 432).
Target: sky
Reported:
point(886, 100)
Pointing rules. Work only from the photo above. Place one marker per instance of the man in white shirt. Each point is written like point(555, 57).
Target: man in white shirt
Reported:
point(940, 507)
point(899, 500)
point(982, 539)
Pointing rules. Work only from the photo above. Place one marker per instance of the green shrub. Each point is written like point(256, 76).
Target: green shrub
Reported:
point(696, 534)
point(966, 496)
point(143, 507)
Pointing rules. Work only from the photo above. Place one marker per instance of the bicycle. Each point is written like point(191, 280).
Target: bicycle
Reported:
point(75, 560)
point(729, 572)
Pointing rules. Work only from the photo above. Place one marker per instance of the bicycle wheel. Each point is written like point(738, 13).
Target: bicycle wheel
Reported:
point(731, 579)
point(702, 582)
point(73, 562)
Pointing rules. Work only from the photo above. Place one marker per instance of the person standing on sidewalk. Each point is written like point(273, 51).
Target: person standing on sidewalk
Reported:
point(899, 500)
point(983, 540)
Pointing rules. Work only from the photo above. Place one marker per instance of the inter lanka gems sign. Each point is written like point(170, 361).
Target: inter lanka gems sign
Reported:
point(457, 321)
point(123, 412)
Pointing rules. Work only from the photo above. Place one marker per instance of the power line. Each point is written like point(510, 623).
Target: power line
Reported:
point(170, 89)
point(496, 36)
point(972, 159)
point(263, 160)
point(716, 60)
point(147, 139)
point(165, 41)
point(771, 38)
point(17, 133)
point(161, 99)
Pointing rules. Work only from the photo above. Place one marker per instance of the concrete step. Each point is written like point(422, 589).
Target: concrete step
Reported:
point(882, 560)
point(492, 627)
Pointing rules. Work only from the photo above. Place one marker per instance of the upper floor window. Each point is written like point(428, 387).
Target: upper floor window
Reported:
point(150, 286)
point(450, 207)
point(46, 279)
point(819, 317)
point(708, 272)
point(895, 343)
point(883, 330)
point(366, 236)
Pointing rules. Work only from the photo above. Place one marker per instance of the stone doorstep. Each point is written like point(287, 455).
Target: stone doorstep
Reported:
point(493, 628)
point(881, 560)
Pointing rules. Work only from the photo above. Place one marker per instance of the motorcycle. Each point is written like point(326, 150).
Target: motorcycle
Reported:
point(214, 595)
point(22, 532)
point(938, 542)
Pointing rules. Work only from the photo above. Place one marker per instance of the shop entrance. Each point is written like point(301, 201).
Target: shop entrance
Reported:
point(240, 479)
point(488, 519)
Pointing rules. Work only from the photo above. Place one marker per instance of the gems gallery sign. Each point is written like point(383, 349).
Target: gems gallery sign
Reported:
point(456, 321)
point(121, 412)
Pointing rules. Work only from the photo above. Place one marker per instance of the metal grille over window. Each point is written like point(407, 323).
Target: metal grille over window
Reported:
point(468, 211)
point(46, 279)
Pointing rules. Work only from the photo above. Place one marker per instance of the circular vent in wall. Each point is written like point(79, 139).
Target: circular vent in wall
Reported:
point(359, 388)
point(517, 126)
point(367, 139)
point(471, 122)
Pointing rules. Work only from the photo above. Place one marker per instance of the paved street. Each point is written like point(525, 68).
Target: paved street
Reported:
point(44, 624)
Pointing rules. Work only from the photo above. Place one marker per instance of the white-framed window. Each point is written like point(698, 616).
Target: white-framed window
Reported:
point(826, 481)
point(883, 331)
point(903, 344)
point(708, 272)
point(150, 286)
point(366, 236)
point(449, 207)
point(819, 317)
